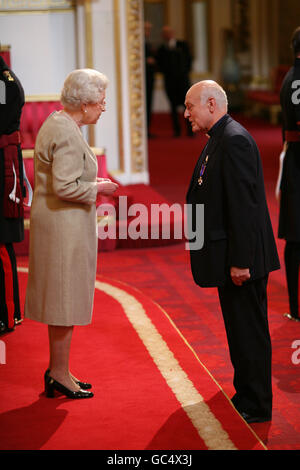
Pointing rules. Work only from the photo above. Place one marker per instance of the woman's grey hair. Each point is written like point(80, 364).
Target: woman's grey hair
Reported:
point(82, 86)
point(212, 90)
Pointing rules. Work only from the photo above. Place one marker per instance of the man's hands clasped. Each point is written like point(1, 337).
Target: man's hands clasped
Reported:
point(239, 275)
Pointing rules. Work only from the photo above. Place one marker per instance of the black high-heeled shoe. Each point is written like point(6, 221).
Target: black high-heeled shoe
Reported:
point(82, 385)
point(51, 385)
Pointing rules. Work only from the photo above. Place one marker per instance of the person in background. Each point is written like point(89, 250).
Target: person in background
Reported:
point(63, 229)
point(239, 248)
point(289, 215)
point(174, 61)
point(12, 194)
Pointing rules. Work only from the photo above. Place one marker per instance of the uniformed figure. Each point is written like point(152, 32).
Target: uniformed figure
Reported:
point(174, 62)
point(239, 248)
point(12, 193)
point(289, 216)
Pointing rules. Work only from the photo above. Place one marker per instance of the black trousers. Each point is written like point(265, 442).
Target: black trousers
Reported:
point(244, 310)
point(292, 262)
point(9, 288)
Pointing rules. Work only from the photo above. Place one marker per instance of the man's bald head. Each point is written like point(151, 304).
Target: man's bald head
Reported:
point(147, 28)
point(167, 32)
point(207, 89)
point(206, 102)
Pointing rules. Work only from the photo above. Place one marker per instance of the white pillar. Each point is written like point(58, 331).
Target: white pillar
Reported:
point(117, 49)
point(264, 40)
point(131, 91)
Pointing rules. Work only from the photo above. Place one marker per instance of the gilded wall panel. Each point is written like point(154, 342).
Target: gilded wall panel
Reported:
point(136, 79)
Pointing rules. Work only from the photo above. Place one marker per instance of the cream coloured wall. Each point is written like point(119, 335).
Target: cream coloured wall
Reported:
point(104, 60)
point(42, 48)
point(46, 46)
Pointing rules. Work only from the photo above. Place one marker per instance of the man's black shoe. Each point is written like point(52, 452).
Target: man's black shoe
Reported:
point(291, 317)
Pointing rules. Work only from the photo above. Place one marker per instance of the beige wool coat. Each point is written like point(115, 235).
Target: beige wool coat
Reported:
point(63, 227)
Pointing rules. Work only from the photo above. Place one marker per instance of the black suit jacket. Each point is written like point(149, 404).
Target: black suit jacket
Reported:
point(237, 226)
point(175, 65)
point(11, 230)
point(289, 216)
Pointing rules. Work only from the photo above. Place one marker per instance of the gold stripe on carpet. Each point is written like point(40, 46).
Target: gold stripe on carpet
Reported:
point(208, 427)
point(210, 374)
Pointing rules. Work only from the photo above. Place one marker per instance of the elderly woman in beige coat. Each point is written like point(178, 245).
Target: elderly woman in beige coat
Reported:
point(63, 230)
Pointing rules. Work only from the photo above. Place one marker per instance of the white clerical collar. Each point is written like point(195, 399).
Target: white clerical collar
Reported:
point(172, 43)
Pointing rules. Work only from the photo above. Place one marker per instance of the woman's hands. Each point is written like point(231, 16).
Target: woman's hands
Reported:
point(105, 186)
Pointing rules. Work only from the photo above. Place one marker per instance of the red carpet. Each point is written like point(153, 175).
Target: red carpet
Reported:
point(151, 391)
point(172, 160)
point(197, 312)
point(163, 275)
point(134, 214)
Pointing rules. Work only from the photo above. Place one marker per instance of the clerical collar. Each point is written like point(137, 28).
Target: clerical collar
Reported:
point(172, 43)
point(217, 124)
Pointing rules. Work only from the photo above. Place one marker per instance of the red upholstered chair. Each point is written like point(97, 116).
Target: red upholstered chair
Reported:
point(268, 99)
point(5, 54)
point(33, 115)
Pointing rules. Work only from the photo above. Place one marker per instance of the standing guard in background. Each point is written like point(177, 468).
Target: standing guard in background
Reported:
point(12, 192)
point(174, 61)
point(289, 216)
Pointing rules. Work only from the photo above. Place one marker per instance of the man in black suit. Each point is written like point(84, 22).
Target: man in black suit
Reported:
point(289, 216)
point(174, 62)
point(239, 248)
point(12, 192)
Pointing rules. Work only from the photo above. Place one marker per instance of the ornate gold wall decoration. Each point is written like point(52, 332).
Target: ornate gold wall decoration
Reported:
point(136, 82)
point(25, 5)
point(119, 82)
point(89, 61)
